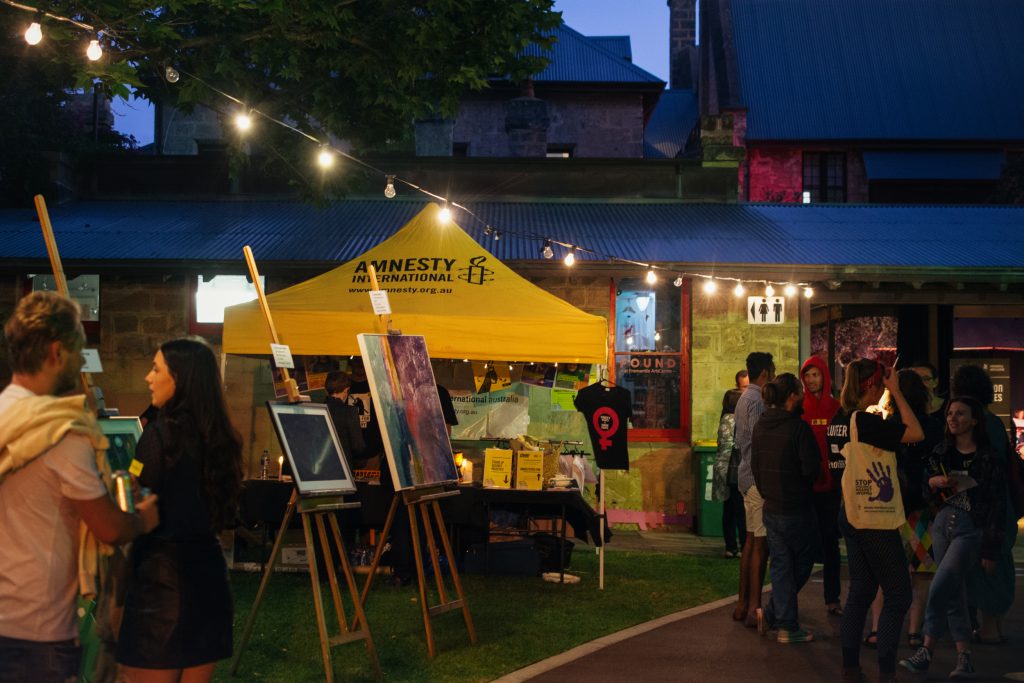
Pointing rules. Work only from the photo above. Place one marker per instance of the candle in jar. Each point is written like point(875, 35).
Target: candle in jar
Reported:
point(467, 471)
point(280, 468)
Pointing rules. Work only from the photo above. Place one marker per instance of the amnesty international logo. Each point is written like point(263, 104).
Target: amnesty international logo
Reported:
point(476, 273)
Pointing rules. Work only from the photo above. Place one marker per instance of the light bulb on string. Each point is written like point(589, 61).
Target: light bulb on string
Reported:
point(445, 214)
point(570, 258)
point(678, 282)
point(497, 235)
point(769, 290)
point(710, 286)
point(94, 52)
point(651, 277)
point(738, 290)
point(171, 74)
point(808, 292)
point(790, 290)
point(325, 158)
point(657, 336)
point(243, 122)
point(629, 340)
point(34, 33)
point(389, 188)
point(546, 251)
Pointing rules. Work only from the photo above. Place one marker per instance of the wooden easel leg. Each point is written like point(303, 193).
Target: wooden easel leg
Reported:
point(329, 561)
point(325, 647)
point(274, 553)
point(359, 621)
point(454, 570)
point(418, 558)
point(388, 521)
point(428, 532)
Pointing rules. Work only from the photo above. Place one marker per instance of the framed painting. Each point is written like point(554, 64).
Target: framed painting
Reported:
point(408, 410)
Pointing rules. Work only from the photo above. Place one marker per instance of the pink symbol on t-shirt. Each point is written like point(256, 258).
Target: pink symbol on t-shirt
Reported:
point(606, 422)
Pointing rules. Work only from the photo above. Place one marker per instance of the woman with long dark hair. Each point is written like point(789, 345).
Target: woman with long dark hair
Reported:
point(178, 609)
point(875, 556)
point(968, 480)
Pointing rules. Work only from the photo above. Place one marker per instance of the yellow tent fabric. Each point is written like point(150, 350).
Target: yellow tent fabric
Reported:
point(441, 284)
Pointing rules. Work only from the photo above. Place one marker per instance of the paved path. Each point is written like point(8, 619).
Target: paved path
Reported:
point(704, 644)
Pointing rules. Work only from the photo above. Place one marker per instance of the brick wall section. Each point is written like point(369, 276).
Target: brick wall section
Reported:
point(721, 341)
point(598, 125)
point(776, 175)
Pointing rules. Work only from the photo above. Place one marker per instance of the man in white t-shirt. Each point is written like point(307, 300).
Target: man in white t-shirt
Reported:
point(46, 491)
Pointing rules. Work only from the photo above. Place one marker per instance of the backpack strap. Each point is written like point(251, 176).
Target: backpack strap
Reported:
point(853, 427)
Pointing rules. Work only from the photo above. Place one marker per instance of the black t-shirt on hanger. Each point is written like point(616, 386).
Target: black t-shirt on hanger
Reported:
point(607, 409)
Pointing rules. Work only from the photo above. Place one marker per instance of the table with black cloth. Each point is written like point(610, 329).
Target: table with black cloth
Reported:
point(263, 502)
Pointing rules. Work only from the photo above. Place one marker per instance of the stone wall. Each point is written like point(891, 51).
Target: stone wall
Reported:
point(180, 132)
point(722, 338)
point(593, 125)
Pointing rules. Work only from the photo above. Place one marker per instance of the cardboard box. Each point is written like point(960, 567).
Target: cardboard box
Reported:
point(498, 468)
point(530, 470)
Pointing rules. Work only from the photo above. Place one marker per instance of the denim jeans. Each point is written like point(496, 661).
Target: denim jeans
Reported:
point(792, 542)
point(28, 660)
point(955, 542)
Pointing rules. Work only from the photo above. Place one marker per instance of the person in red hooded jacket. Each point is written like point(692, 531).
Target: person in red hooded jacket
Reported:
point(819, 408)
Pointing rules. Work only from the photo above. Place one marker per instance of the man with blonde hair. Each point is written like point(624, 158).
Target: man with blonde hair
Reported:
point(49, 483)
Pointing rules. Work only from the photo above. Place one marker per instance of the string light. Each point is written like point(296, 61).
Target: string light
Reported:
point(657, 336)
point(34, 33)
point(769, 291)
point(325, 158)
point(629, 340)
point(243, 122)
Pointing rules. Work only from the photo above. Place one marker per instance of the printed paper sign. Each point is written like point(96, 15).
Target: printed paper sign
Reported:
point(282, 356)
point(91, 360)
point(530, 470)
point(379, 301)
point(498, 468)
point(766, 310)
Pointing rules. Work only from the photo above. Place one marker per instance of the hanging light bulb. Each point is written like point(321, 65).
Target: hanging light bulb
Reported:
point(243, 121)
point(651, 277)
point(629, 340)
point(678, 282)
point(94, 51)
point(738, 290)
point(570, 258)
point(445, 214)
point(808, 292)
point(34, 33)
point(769, 290)
point(710, 286)
point(171, 74)
point(657, 336)
point(325, 158)
point(546, 251)
point(497, 235)
point(389, 189)
point(790, 290)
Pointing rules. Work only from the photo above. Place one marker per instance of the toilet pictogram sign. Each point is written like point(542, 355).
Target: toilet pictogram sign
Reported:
point(766, 310)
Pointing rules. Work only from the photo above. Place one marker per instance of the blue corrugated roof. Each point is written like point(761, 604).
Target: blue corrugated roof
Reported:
point(881, 69)
point(914, 236)
point(579, 59)
point(620, 46)
point(929, 165)
point(674, 117)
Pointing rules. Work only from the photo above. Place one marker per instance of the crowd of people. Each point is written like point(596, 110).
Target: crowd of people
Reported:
point(919, 487)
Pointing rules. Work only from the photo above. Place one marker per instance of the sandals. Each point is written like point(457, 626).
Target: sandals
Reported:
point(915, 640)
point(871, 640)
point(834, 609)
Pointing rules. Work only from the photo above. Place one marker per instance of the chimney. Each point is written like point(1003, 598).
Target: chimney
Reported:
point(526, 124)
point(683, 54)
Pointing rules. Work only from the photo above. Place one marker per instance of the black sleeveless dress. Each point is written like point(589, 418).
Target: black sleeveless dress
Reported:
point(178, 608)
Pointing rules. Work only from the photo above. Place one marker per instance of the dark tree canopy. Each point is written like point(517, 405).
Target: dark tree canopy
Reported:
point(361, 70)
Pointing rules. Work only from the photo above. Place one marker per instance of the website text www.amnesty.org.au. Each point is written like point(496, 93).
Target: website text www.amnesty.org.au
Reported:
point(403, 290)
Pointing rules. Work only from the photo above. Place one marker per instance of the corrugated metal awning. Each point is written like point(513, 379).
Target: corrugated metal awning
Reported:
point(928, 165)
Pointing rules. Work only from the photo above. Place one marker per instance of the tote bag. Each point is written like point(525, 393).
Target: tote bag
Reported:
point(871, 485)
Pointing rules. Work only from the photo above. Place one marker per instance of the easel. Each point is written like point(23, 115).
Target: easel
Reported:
point(317, 510)
point(426, 502)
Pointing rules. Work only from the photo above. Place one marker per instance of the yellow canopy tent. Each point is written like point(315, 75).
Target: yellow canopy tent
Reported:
point(441, 285)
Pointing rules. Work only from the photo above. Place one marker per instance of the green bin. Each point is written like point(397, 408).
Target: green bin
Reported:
point(709, 513)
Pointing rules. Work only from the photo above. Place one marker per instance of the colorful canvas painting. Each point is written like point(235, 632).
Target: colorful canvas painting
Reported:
point(409, 411)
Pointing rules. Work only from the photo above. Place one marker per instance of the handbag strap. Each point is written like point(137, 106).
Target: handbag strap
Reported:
point(853, 427)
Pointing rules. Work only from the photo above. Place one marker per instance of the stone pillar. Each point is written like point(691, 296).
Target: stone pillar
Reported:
point(526, 124)
point(434, 137)
point(683, 54)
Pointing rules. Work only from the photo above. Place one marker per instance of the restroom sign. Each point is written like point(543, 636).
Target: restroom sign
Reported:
point(766, 310)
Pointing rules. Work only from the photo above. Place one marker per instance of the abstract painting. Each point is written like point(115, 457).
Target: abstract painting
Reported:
point(408, 410)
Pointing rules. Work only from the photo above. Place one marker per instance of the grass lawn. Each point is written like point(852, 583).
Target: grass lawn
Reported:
point(519, 620)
